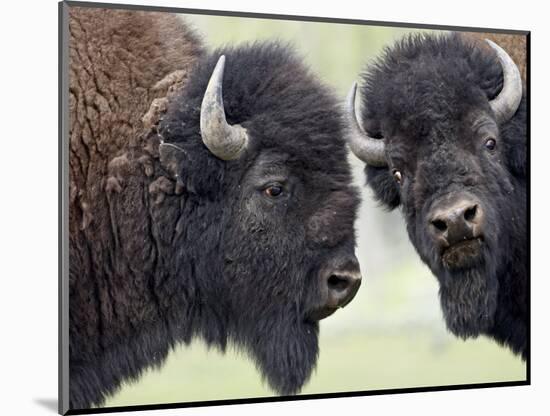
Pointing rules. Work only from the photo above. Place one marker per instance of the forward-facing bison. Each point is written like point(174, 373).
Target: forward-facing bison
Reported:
point(444, 137)
point(210, 197)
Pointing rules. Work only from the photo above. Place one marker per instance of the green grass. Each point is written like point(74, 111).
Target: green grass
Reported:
point(362, 362)
point(348, 362)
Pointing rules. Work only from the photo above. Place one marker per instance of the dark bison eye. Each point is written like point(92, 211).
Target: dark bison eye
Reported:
point(273, 190)
point(490, 144)
point(397, 176)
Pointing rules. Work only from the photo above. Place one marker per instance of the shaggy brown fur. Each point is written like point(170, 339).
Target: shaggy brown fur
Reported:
point(112, 85)
point(117, 58)
point(515, 45)
point(123, 64)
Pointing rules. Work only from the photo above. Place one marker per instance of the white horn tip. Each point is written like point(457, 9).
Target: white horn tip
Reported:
point(218, 69)
point(352, 92)
point(507, 102)
point(494, 45)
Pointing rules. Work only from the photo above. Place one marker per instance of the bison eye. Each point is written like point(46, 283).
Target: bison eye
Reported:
point(273, 191)
point(490, 144)
point(397, 176)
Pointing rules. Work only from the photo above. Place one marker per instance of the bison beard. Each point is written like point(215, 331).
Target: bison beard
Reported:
point(285, 352)
point(282, 342)
point(469, 300)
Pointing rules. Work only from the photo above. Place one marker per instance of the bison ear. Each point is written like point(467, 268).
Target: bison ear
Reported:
point(516, 157)
point(384, 187)
point(513, 135)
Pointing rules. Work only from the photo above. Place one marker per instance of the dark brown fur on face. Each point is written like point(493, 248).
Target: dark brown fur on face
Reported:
point(427, 96)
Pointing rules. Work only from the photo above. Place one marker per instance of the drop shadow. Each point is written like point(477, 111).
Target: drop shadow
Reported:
point(49, 404)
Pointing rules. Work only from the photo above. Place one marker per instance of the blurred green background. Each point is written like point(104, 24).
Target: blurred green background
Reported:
point(392, 335)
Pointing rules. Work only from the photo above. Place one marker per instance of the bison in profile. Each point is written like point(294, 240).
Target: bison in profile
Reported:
point(442, 130)
point(196, 212)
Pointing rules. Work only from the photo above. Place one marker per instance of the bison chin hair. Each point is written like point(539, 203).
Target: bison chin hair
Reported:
point(285, 353)
point(469, 299)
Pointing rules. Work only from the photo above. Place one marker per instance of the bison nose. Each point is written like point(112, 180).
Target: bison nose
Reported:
point(339, 282)
point(456, 220)
point(342, 285)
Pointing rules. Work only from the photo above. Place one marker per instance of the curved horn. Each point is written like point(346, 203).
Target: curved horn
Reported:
point(366, 148)
point(224, 141)
point(507, 102)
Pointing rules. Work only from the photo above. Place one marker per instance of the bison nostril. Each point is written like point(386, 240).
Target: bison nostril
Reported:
point(342, 287)
point(439, 225)
point(338, 283)
point(470, 213)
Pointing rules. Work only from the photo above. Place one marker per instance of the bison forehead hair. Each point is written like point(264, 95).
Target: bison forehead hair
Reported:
point(268, 90)
point(428, 98)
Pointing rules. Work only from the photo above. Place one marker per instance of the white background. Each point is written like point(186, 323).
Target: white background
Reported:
point(28, 204)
